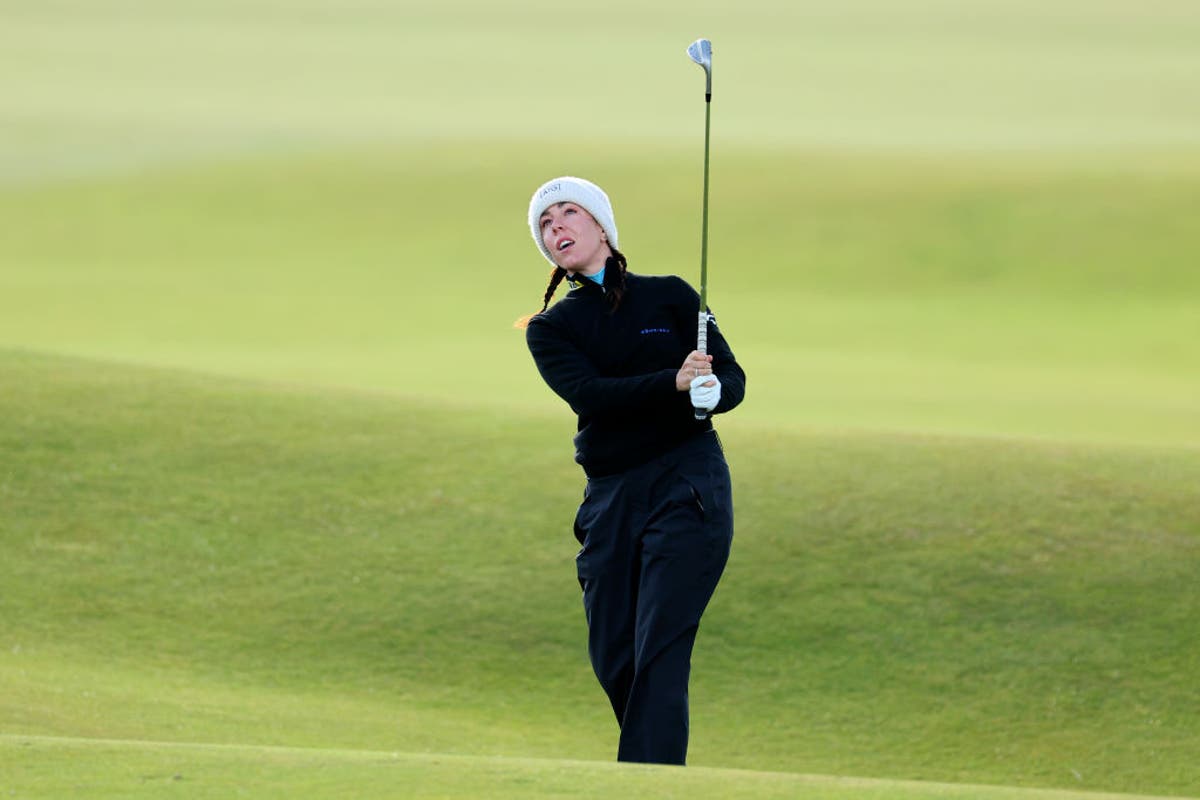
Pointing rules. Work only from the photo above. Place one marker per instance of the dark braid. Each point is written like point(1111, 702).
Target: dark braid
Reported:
point(614, 285)
point(556, 277)
point(614, 278)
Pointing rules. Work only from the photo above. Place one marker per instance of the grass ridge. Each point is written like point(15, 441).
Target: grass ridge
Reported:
point(13, 739)
point(319, 569)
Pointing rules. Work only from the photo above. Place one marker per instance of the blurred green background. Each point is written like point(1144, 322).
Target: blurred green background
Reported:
point(963, 217)
point(264, 417)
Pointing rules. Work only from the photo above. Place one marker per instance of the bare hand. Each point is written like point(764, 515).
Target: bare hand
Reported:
point(694, 365)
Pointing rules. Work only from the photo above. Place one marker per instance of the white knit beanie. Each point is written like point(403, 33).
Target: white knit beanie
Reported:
point(567, 189)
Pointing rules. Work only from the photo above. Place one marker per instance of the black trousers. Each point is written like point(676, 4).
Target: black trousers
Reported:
point(655, 542)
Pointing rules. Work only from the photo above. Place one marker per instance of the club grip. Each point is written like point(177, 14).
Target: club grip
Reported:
point(702, 346)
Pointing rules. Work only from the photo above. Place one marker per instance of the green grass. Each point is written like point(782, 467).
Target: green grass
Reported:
point(114, 769)
point(197, 560)
point(967, 221)
point(969, 296)
point(113, 84)
point(284, 504)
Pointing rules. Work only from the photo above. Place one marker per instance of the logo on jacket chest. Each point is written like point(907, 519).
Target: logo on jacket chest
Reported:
point(652, 331)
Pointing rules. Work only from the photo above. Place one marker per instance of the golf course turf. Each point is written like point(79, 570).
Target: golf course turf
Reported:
point(202, 560)
point(285, 507)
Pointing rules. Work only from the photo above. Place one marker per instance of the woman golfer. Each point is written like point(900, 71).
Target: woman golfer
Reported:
point(657, 517)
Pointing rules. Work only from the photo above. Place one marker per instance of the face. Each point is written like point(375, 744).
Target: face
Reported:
point(574, 238)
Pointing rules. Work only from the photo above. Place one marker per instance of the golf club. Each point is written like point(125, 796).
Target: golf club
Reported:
point(701, 52)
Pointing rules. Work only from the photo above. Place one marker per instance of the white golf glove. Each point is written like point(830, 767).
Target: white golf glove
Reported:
point(705, 397)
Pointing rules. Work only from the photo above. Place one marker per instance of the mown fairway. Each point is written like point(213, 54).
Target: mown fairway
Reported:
point(285, 508)
point(201, 561)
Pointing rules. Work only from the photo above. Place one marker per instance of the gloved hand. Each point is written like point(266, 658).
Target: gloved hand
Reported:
point(705, 397)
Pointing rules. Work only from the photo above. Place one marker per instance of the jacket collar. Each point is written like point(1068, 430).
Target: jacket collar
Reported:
point(578, 282)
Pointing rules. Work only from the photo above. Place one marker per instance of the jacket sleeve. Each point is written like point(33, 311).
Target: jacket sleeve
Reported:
point(573, 377)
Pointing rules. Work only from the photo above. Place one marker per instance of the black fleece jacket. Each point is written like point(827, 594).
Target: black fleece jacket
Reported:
point(616, 369)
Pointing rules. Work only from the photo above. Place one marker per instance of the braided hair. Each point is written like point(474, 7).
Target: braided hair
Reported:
point(614, 278)
point(615, 267)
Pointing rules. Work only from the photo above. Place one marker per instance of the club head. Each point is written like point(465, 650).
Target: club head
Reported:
point(701, 52)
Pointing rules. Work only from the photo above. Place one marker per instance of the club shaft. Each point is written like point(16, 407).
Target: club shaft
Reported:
point(702, 319)
point(704, 214)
